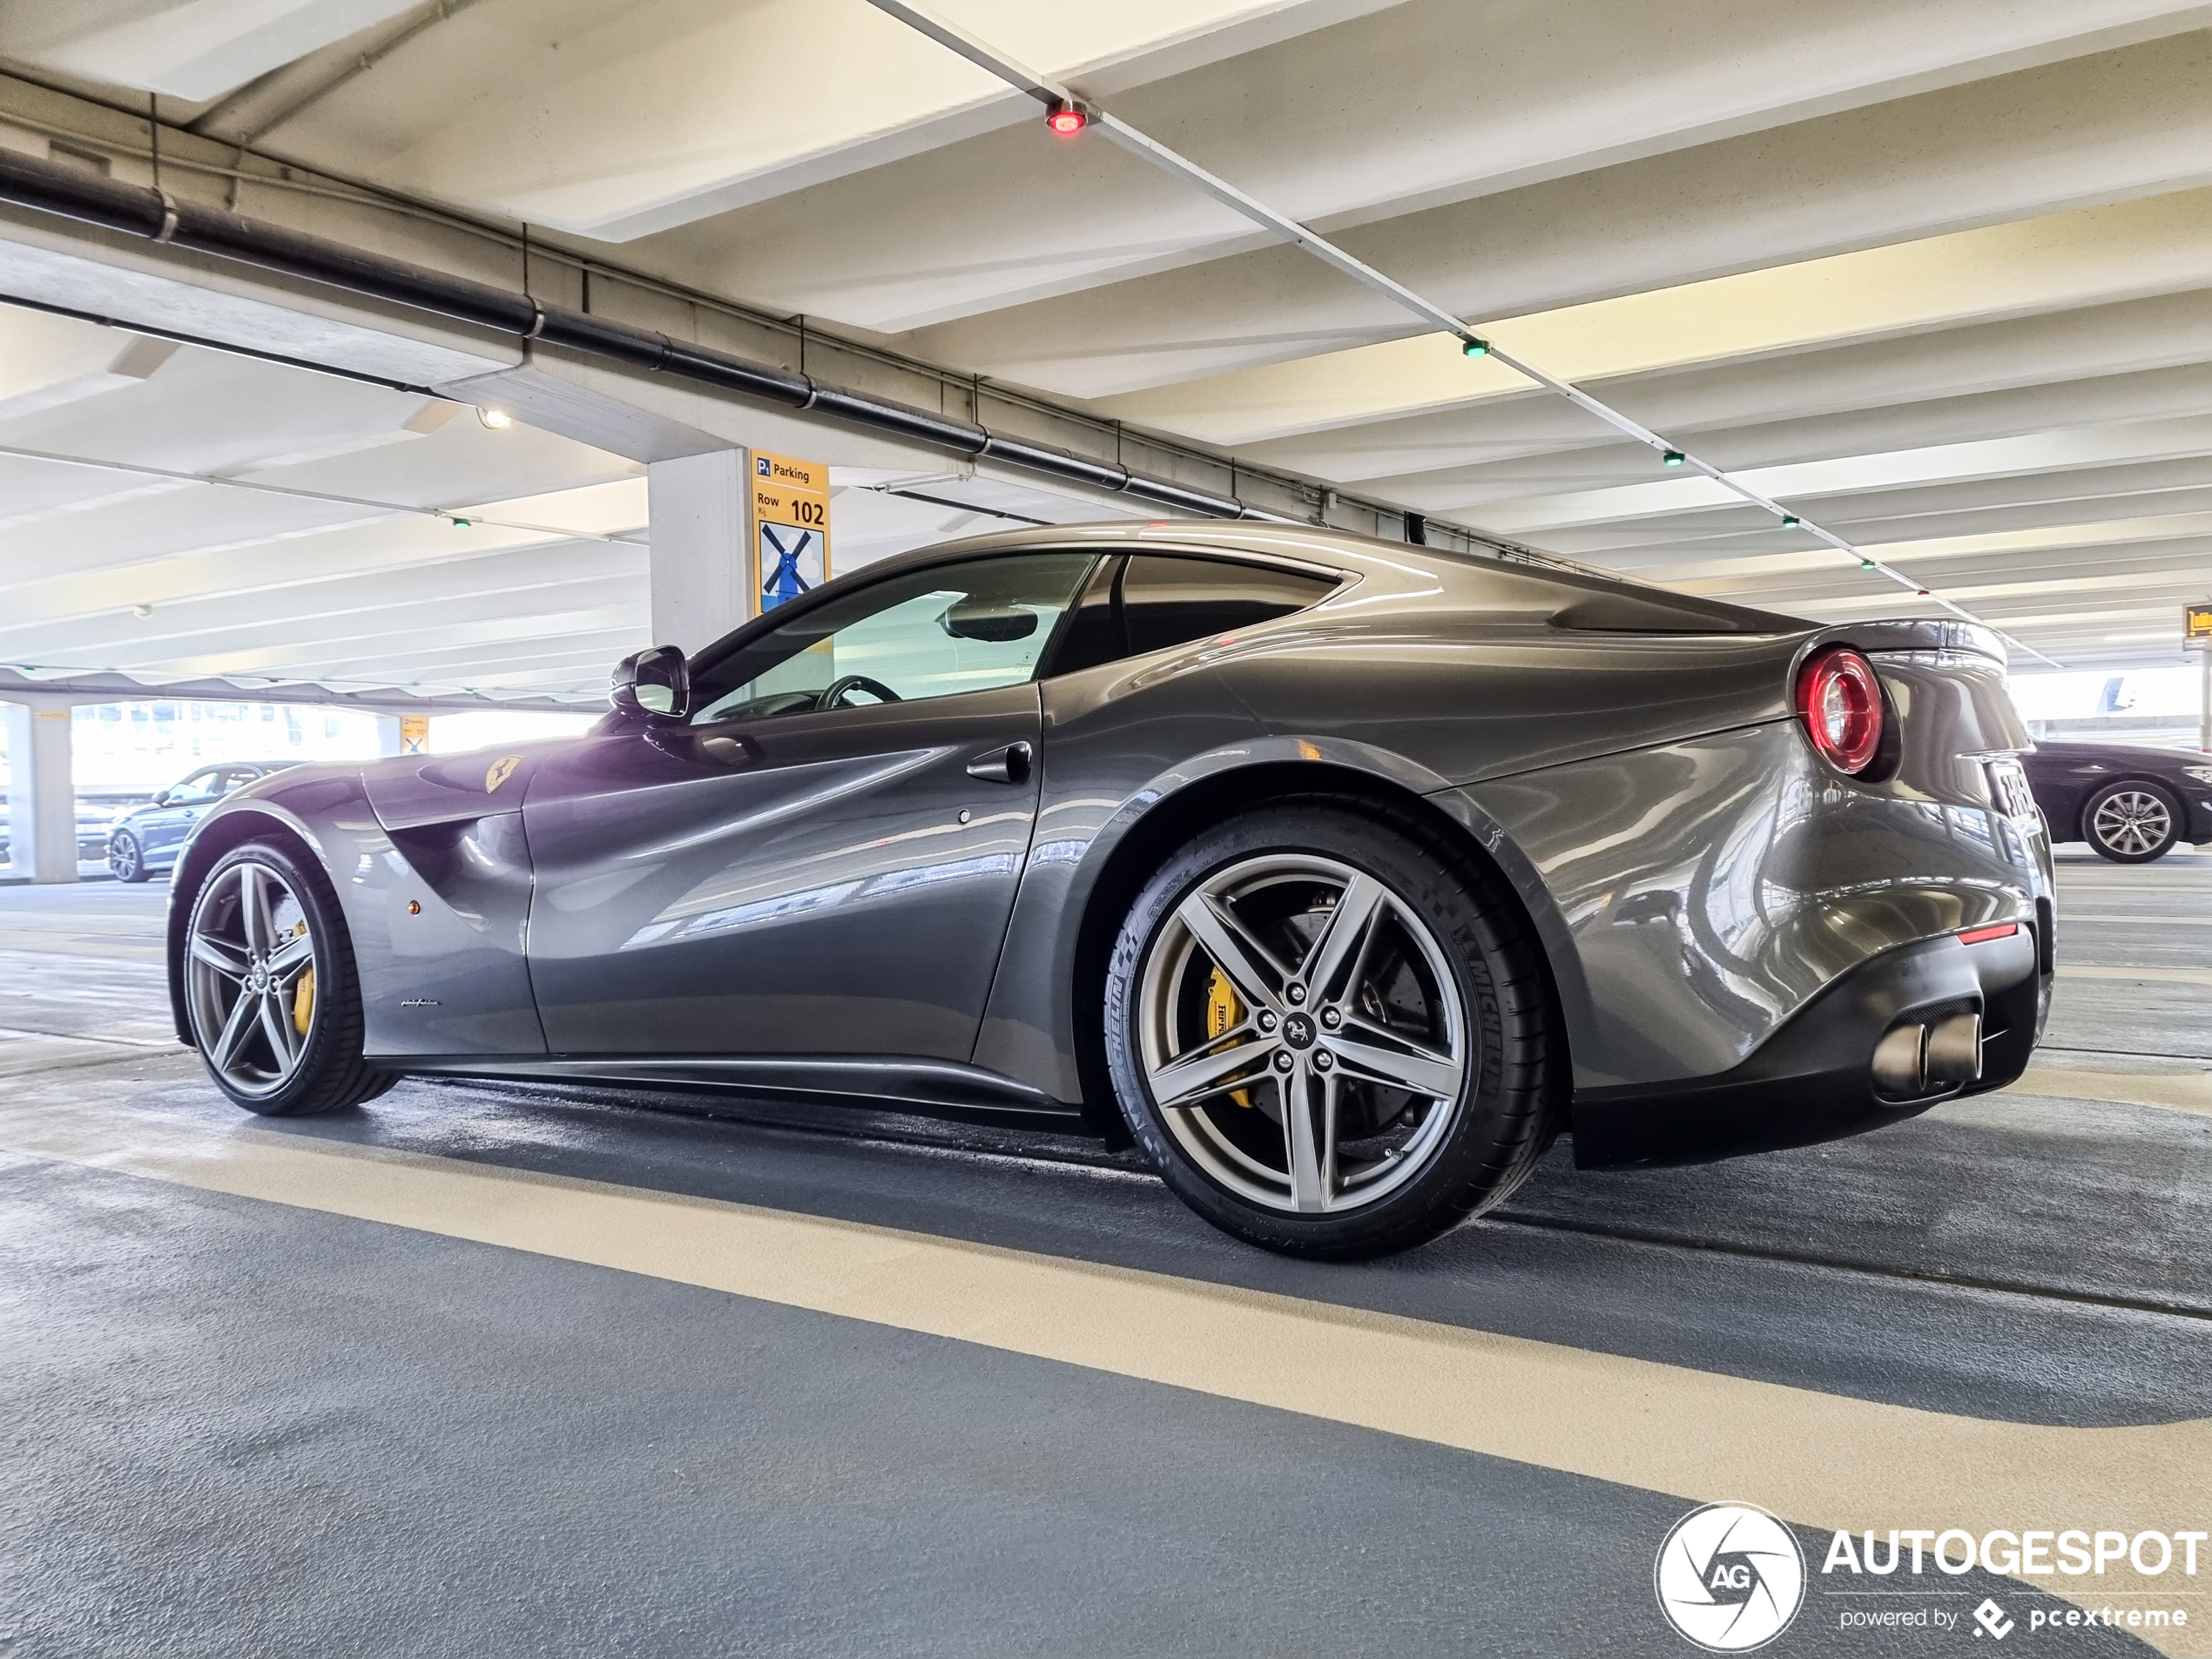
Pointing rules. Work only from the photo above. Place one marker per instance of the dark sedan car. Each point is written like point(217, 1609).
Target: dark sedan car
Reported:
point(147, 839)
point(1342, 875)
point(2131, 805)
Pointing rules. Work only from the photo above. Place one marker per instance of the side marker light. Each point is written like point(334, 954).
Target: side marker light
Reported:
point(1995, 930)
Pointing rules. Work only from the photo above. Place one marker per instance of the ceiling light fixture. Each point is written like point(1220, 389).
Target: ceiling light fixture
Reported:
point(1068, 120)
point(142, 610)
point(461, 523)
point(1474, 345)
point(497, 420)
point(1673, 458)
point(1791, 520)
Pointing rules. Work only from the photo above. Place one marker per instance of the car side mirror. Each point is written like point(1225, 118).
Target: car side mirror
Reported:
point(161, 798)
point(996, 624)
point(653, 685)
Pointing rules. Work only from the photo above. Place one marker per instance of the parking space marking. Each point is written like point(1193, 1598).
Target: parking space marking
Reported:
point(2178, 1092)
point(1826, 1461)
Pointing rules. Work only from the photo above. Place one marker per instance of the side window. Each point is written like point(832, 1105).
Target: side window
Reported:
point(1150, 602)
point(1094, 632)
point(932, 632)
point(1171, 601)
point(236, 778)
point(200, 786)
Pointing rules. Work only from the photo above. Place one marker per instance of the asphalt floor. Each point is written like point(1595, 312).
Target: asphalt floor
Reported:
point(487, 1369)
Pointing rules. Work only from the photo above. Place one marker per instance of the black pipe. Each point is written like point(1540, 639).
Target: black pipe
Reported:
point(158, 217)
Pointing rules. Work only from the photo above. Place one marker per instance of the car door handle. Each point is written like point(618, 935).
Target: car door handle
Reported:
point(1006, 765)
point(719, 748)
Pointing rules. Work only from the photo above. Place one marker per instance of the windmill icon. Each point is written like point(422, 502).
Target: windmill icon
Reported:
point(798, 563)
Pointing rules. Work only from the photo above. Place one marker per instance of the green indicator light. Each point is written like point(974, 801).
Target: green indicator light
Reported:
point(1866, 564)
point(461, 523)
point(1673, 458)
point(1791, 520)
point(1474, 348)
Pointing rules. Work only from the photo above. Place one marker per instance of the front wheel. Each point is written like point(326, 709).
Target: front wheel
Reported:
point(270, 988)
point(1335, 1038)
point(2131, 823)
point(126, 858)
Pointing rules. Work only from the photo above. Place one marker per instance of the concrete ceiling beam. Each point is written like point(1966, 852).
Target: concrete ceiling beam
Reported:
point(2090, 131)
point(1427, 103)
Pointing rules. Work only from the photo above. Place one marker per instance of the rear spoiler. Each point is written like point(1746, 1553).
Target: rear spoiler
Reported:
point(1913, 633)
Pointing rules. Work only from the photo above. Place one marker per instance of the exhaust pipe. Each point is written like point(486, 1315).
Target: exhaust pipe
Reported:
point(1916, 1059)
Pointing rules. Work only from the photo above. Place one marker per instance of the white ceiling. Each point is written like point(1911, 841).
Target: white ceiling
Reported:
point(330, 552)
point(1937, 273)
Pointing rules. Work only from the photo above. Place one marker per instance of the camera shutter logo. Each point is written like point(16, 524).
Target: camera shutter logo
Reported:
point(1730, 1577)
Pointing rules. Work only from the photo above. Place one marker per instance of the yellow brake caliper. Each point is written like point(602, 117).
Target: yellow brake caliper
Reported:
point(303, 1000)
point(1223, 1012)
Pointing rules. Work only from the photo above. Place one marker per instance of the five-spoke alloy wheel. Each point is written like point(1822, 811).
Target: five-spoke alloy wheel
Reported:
point(269, 986)
point(1302, 1032)
point(1331, 1040)
point(2131, 823)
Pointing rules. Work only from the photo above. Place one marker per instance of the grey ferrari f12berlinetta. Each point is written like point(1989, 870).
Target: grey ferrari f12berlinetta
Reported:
point(1343, 876)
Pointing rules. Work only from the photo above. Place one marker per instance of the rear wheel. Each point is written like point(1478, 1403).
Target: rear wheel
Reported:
point(269, 986)
point(2131, 823)
point(126, 858)
point(1333, 1039)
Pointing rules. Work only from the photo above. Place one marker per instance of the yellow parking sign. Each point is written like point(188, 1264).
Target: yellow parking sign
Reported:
point(791, 529)
point(2196, 626)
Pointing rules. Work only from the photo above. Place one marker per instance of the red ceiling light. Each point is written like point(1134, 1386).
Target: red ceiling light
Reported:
point(1067, 120)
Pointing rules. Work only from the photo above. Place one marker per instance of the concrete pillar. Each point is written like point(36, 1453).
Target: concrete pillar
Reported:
point(42, 798)
point(697, 571)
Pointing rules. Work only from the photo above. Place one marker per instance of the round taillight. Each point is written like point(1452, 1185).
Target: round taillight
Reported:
point(1841, 702)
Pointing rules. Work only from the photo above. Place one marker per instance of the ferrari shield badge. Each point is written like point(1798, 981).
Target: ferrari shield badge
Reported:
point(500, 770)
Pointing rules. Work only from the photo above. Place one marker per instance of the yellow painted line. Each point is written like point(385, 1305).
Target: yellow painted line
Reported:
point(2155, 976)
point(1823, 1459)
point(2179, 1091)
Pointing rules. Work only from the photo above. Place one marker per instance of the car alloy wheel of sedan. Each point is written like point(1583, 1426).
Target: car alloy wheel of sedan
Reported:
point(251, 979)
point(1302, 1032)
point(124, 859)
point(2132, 824)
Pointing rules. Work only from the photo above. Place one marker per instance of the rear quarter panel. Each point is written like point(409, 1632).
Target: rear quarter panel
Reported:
point(1712, 885)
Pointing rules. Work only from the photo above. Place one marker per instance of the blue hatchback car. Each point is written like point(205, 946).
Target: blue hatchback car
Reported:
point(145, 840)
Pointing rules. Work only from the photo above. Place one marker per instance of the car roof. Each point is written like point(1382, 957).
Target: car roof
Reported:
point(1421, 568)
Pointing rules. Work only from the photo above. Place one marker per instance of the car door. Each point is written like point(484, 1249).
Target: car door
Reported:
point(820, 858)
point(162, 830)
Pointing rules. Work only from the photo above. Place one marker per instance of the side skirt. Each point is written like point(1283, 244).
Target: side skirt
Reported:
point(928, 1088)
